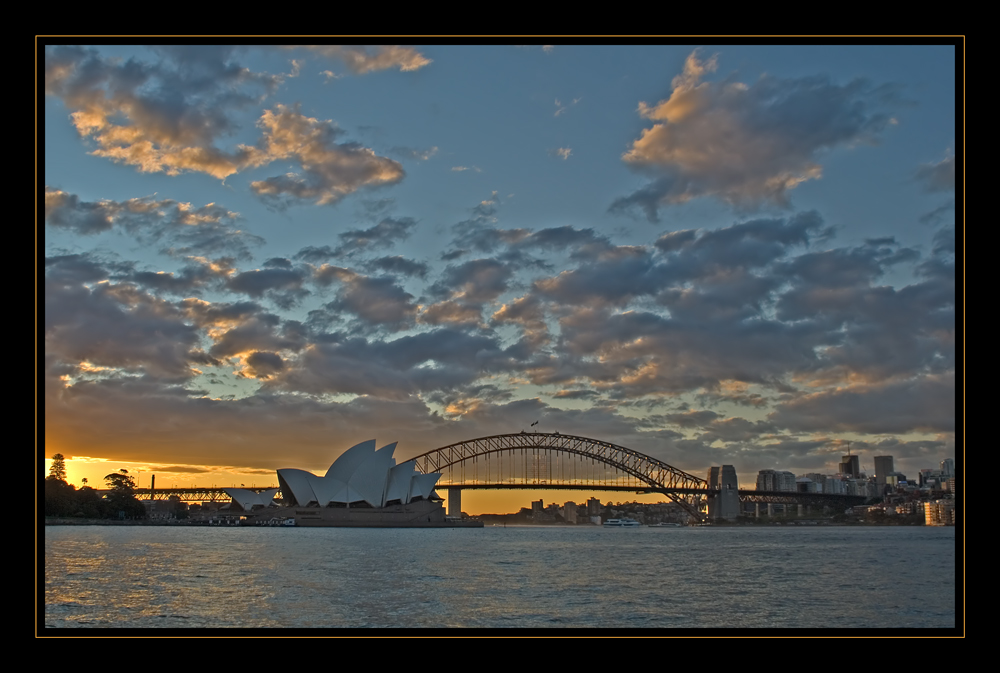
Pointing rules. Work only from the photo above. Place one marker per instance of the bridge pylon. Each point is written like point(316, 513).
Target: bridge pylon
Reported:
point(725, 503)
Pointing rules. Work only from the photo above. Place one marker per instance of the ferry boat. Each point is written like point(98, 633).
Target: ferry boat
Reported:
point(622, 523)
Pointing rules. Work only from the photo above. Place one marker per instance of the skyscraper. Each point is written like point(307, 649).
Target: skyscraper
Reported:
point(883, 468)
point(850, 465)
point(948, 467)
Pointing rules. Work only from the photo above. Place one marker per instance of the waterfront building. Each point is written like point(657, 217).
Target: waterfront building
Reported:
point(774, 480)
point(569, 512)
point(835, 486)
point(806, 485)
point(361, 476)
point(939, 513)
point(819, 479)
point(363, 487)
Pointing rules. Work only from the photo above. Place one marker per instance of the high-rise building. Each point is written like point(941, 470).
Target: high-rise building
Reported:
point(569, 512)
point(773, 480)
point(883, 468)
point(850, 465)
point(948, 467)
point(767, 480)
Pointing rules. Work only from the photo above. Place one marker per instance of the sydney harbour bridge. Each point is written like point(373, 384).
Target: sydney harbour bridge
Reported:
point(552, 461)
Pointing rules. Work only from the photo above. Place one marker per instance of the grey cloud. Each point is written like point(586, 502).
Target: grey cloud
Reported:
point(475, 281)
point(376, 301)
point(383, 235)
point(315, 255)
point(940, 214)
point(264, 364)
point(255, 283)
point(453, 313)
point(926, 404)
point(208, 230)
point(118, 326)
point(435, 360)
point(400, 265)
point(939, 177)
point(74, 269)
point(252, 332)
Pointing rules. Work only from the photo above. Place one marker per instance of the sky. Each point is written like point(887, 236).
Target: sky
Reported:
point(256, 257)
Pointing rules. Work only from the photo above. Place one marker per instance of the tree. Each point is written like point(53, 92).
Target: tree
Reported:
point(58, 468)
point(120, 483)
point(121, 498)
point(60, 497)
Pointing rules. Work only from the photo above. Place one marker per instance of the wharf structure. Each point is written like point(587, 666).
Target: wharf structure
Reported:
point(364, 487)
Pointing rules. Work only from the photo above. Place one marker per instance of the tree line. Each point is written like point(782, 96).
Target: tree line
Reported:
point(63, 499)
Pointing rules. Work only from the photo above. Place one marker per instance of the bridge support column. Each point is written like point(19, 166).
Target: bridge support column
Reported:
point(725, 504)
point(455, 502)
point(770, 509)
point(801, 509)
point(756, 510)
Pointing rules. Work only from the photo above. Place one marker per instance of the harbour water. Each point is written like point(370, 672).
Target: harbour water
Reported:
point(494, 577)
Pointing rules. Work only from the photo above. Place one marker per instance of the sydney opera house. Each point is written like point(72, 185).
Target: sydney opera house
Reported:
point(363, 487)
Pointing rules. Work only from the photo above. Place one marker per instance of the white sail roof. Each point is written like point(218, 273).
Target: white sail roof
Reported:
point(360, 474)
point(246, 498)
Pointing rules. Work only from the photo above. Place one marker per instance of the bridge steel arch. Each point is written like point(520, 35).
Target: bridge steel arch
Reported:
point(656, 474)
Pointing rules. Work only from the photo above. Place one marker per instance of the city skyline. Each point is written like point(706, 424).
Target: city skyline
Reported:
point(256, 257)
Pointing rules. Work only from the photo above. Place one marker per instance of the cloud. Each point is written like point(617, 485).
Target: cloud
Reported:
point(528, 313)
point(938, 177)
point(263, 365)
point(411, 153)
point(561, 109)
point(164, 117)
point(184, 229)
point(436, 360)
point(383, 235)
point(376, 301)
point(332, 170)
point(561, 153)
point(364, 59)
point(923, 404)
point(169, 116)
point(475, 281)
point(452, 313)
point(745, 144)
point(116, 325)
point(400, 265)
point(282, 286)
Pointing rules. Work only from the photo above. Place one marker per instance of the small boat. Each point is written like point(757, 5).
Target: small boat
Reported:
point(664, 524)
point(621, 523)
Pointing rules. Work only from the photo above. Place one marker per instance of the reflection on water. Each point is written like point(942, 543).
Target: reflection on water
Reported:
point(142, 577)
